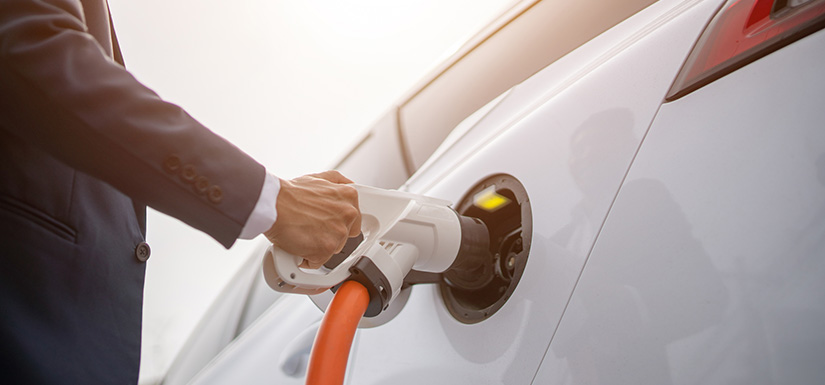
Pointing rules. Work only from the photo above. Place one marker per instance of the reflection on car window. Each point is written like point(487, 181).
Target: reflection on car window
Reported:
point(535, 38)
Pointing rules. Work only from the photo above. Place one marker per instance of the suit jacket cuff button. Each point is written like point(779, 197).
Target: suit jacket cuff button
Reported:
point(215, 194)
point(172, 164)
point(201, 185)
point(188, 173)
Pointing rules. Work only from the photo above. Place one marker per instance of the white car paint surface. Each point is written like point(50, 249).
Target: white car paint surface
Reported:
point(710, 267)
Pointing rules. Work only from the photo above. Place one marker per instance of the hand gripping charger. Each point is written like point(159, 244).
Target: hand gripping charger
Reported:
point(401, 232)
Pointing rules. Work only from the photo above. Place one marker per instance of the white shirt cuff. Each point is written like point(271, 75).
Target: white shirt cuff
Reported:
point(264, 214)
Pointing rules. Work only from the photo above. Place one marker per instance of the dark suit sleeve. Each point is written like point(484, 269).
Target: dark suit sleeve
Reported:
point(62, 93)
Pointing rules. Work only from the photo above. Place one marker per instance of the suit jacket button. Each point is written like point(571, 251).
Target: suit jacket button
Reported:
point(215, 194)
point(142, 251)
point(201, 184)
point(172, 164)
point(188, 173)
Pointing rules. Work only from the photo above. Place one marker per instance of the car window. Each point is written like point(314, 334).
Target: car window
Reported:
point(535, 38)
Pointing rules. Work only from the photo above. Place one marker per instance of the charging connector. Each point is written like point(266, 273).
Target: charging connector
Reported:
point(478, 284)
point(474, 266)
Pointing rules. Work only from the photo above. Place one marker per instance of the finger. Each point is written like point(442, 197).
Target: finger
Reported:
point(332, 176)
point(307, 264)
point(341, 246)
point(355, 227)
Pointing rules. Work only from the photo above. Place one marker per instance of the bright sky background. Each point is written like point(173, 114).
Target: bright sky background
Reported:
point(292, 83)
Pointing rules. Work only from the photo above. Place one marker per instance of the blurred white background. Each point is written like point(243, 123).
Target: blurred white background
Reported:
point(292, 83)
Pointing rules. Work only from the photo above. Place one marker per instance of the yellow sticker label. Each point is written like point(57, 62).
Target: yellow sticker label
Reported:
point(489, 200)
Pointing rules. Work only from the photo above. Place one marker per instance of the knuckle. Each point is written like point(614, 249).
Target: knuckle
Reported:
point(348, 192)
point(329, 245)
point(342, 232)
point(350, 213)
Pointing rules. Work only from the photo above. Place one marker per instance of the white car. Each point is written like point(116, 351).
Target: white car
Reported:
point(666, 163)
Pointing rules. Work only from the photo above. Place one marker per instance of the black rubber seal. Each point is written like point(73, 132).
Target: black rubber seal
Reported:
point(378, 286)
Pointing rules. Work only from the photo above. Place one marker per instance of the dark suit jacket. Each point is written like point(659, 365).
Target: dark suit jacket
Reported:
point(83, 148)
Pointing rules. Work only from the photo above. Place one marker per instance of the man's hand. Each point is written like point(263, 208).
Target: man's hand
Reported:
point(316, 215)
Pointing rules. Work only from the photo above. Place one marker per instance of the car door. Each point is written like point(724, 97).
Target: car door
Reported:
point(709, 268)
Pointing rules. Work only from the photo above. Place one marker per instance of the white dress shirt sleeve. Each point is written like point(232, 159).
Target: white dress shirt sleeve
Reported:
point(264, 214)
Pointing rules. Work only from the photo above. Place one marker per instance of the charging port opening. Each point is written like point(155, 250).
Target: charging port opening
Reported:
point(510, 228)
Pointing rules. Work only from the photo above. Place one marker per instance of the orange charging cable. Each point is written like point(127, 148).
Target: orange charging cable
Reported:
point(330, 351)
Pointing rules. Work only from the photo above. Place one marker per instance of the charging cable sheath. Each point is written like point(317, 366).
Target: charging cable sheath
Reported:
point(330, 351)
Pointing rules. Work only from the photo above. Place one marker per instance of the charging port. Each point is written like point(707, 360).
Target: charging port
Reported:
point(501, 203)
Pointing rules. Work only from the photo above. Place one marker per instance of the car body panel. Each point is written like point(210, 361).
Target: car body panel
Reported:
point(377, 159)
point(709, 269)
point(240, 301)
point(273, 350)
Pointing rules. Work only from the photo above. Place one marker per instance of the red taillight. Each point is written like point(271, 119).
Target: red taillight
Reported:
point(743, 31)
